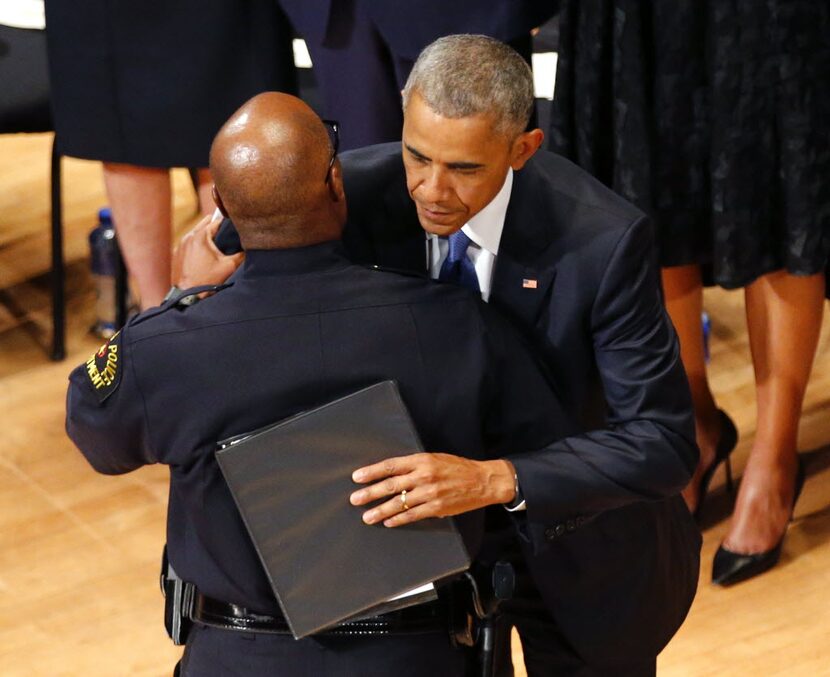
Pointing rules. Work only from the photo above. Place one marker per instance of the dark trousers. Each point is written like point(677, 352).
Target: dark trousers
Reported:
point(546, 651)
point(360, 79)
point(212, 652)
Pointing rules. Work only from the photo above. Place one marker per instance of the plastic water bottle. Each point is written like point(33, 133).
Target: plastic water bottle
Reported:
point(104, 262)
point(707, 334)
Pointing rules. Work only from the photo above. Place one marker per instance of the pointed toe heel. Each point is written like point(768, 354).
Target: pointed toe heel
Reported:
point(730, 567)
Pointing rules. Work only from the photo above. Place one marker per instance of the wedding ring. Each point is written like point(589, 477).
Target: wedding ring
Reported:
point(403, 500)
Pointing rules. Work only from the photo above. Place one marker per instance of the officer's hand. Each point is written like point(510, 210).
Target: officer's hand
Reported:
point(198, 261)
point(437, 485)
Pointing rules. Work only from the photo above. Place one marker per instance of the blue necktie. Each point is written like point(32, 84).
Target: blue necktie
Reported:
point(457, 268)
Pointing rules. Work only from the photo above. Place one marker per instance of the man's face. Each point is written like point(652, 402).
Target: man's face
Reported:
point(454, 166)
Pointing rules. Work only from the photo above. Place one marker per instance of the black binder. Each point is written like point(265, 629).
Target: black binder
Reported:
point(292, 481)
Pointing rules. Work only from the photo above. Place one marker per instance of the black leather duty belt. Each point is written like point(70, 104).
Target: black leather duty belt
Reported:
point(427, 617)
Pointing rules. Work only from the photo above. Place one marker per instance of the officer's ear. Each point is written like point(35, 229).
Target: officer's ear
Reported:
point(336, 190)
point(218, 200)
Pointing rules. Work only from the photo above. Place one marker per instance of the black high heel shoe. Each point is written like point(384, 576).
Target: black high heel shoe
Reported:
point(726, 445)
point(731, 567)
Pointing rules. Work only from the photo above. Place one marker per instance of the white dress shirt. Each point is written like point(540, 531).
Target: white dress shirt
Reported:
point(484, 229)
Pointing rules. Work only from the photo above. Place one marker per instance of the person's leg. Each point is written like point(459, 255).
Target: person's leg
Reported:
point(683, 291)
point(358, 83)
point(784, 320)
point(226, 653)
point(141, 209)
point(547, 652)
point(429, 654)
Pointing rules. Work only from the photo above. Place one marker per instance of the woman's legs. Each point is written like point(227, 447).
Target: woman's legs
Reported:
point(683, 290)
point(784, 320)
point(140, 198)
point(141, 209)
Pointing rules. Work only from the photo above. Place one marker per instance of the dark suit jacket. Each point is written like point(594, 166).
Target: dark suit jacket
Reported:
point(298, 328)
point(620, 585)
point(408, 27)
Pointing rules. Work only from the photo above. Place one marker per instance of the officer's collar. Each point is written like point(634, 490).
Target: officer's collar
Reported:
point(295, 261)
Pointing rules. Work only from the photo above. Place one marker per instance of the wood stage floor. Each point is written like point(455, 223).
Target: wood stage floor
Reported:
point(79, 552)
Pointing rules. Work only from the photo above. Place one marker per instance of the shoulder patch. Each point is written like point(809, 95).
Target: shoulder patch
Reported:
point(103, 368)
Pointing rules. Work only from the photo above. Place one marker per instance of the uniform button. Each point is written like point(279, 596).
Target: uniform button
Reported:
point(570, 525)
point(560, 529)
point(550, 534)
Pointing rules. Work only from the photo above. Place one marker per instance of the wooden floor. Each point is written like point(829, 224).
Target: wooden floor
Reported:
point(79, 552)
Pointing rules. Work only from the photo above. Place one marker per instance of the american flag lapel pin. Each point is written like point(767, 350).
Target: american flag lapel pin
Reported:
point(529, 283)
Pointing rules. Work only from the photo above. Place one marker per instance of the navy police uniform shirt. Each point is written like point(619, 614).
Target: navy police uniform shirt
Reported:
point(297, 328)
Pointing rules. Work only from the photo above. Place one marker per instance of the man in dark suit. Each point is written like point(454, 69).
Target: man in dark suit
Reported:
point(612, 551)
point(363, 50)
point(299, 326)
point(572, 265)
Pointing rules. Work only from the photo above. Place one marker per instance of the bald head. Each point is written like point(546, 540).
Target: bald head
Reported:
point(269, 163)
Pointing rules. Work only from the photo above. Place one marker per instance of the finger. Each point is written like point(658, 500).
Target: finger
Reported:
point(187, 237)
point(203, 223)
point(208, 241)
point(387, 487)
point(394, 506)
point(210, 244)
point(397, 465)
point(212, 226)
point(190, 234)
point(423, 511)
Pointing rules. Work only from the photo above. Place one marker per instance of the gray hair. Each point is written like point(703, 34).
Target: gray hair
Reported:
point(463, 75)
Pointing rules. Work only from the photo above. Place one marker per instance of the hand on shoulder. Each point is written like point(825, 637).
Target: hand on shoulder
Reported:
point(198, 261)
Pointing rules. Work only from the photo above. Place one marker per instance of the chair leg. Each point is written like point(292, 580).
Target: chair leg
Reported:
point(121, 288)
point(58, 273)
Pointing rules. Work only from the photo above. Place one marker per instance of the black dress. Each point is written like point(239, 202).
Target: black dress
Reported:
point(149, 83)
point(713, 117)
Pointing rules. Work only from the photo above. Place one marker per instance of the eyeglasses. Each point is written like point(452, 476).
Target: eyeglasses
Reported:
point(333, 128)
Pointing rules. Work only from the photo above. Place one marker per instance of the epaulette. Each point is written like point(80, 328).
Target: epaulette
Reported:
point(177, 300)
point(400, 271)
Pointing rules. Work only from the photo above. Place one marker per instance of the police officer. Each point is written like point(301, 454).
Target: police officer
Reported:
point(298, 326)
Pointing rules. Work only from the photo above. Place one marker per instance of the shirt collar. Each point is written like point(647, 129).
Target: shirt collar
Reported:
point(485, 228)
point(294, 261)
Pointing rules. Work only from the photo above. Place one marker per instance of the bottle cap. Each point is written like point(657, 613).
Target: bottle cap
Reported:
point(105, 215)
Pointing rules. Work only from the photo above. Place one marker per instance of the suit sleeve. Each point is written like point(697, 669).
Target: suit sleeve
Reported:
point(105, 414)
point(647, 449)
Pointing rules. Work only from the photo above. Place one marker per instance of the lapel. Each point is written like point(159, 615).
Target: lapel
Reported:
point(526, 265)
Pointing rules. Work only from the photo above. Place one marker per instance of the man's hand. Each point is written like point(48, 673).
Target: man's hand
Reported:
point(437, 485)
point(198, 261)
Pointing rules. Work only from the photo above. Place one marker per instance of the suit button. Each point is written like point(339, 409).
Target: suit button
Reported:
point(580, 521)
point(570, 525)
point(550, 534)
point(560, 529)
